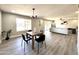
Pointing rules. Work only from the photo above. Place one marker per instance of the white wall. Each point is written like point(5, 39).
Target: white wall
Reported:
point(42, 24)
point(59, 25)
point(37, 25)
point(78, 35)
point(0, 26)
point(71, 23)
point(9, 22)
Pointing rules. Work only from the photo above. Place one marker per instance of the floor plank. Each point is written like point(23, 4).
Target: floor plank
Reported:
point(56, 44)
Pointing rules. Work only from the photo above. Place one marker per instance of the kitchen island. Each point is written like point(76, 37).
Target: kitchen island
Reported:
point(62, 30)
point(59, 30)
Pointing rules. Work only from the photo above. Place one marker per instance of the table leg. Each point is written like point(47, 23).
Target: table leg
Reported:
point(32, 42)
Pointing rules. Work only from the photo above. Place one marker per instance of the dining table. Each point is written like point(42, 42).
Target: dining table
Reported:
point(33, 34)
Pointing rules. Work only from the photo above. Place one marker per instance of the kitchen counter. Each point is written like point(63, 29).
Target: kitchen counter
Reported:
point(59, 30)
point(62, 30)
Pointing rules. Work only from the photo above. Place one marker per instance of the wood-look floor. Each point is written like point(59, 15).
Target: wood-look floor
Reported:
point(56, 44)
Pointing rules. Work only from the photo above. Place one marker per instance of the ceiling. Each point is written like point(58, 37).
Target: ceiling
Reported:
point(42, 10)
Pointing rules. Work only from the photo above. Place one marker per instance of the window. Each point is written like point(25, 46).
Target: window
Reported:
point(23, 24)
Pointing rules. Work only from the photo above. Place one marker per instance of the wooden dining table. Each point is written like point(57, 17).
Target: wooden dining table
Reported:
point(33, 34)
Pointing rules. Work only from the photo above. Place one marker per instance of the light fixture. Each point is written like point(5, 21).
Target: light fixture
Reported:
point(34, 16)
point(63, 21)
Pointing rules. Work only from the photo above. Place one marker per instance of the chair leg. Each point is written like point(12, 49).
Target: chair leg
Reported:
point(27, 41)
point(45, 44)
point(24, 47)
point(21, 42)
point(38, 48)
point(42, 42)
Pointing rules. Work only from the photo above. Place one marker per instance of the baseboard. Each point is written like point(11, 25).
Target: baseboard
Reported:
point(15, 36)
point(12, 36)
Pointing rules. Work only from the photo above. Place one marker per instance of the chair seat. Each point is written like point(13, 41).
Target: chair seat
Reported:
point(38, 40)
point(29, 37)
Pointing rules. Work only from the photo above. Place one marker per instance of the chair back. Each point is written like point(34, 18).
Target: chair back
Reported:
point(23, 37)
point(27, 36)
point(42, 37)
point(29, 30)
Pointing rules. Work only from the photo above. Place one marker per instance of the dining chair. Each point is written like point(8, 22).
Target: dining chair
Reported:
point(29, 30)
point(28, 37)
point(25, 41)
point(39, 40)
